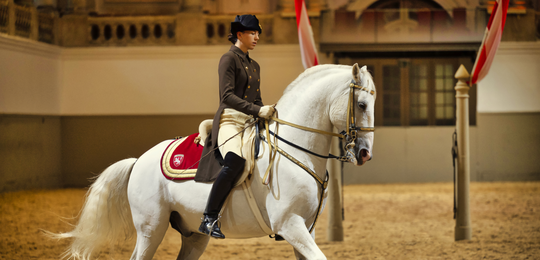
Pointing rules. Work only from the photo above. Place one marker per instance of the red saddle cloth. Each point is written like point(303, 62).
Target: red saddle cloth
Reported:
point(181, 158)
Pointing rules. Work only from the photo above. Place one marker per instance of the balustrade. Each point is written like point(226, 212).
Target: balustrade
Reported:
point(23, 21)
point(46, 27)
point(159, 30)
point(27, 22)
point(4, 16)
point(372, 26)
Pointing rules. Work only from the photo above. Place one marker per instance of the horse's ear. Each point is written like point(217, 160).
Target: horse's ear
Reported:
point(356, 72)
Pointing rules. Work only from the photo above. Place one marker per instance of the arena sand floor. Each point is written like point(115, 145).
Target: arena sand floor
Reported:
point(394, 221)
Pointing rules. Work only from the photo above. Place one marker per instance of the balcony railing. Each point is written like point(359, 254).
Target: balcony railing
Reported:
point(27, 22)
point(164, 30)
point(23, 21)
point(4, 16)
point(150, 30)
point(46, 27)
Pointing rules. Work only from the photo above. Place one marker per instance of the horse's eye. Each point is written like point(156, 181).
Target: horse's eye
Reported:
point(362, 105)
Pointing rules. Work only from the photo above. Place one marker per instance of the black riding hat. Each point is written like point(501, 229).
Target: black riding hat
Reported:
point(245, 22)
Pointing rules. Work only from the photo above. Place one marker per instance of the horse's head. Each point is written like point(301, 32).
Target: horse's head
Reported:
point(353, 112)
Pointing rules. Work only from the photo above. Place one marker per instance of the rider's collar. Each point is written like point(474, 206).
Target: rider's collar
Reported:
point(240, 53)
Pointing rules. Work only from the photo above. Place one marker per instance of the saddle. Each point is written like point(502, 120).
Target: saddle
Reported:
point(181, 158)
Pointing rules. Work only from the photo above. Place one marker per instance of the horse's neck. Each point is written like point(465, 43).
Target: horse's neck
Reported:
point(307, 106)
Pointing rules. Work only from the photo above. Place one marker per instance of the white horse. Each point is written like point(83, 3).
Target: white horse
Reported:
point(132, 194)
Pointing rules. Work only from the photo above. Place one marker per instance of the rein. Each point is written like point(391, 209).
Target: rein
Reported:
point(323, 183)
point(330, 156)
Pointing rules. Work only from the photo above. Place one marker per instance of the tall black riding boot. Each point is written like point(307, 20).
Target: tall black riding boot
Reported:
point(233, 165)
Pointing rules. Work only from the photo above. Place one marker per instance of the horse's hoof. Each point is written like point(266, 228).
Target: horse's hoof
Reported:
point(279, 238)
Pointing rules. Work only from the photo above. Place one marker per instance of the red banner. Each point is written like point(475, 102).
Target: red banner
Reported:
point(490, 43)
point(305, 35)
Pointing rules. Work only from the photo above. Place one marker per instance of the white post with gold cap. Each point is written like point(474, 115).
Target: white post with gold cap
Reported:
point(463, 219)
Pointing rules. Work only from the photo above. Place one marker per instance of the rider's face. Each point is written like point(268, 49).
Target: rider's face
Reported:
point(248, 39)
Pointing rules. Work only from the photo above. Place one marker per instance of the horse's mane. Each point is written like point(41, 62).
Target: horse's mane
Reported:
point(310, 72)
point(316, 69)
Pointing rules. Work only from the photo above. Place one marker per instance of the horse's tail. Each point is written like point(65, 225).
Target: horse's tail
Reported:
point(106, 215)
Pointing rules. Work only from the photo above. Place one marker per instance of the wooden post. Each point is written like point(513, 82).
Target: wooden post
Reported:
point(335, 214)
point(463, 219)
point(34, 24)
point(11, 17)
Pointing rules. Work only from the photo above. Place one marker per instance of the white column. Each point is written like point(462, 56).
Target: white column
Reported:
point(335, 214)
point(463, 219)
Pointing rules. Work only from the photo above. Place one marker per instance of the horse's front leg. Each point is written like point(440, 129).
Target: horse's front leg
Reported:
point(297, 254)
point(295, 232)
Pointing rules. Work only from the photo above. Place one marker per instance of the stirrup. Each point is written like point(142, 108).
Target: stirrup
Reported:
point(210, 228)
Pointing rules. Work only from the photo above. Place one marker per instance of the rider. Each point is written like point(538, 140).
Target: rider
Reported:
point(240, 97)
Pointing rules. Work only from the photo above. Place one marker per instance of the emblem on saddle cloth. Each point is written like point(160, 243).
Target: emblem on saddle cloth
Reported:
point(178, 159)
point(181, 158)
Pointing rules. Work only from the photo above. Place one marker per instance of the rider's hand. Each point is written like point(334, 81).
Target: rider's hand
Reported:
point(266, 112)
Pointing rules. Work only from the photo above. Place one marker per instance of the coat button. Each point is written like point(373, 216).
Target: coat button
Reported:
point(245, 97)
point(249, 77)
point(257, 90)
point(254, 70)
point(258, 80)
point(249, 86)
point(246, 67)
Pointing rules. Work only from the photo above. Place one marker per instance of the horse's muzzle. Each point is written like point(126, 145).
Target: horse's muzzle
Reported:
point(365, 156)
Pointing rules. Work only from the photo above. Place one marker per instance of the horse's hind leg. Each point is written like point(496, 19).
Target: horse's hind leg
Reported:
point(193, 247)
point(150, 233)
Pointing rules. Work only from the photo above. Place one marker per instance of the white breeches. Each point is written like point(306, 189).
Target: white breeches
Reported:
point(231, 123)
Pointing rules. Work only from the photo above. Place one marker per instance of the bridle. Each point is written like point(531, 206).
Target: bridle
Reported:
point(349, 134)
point(352, 129)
